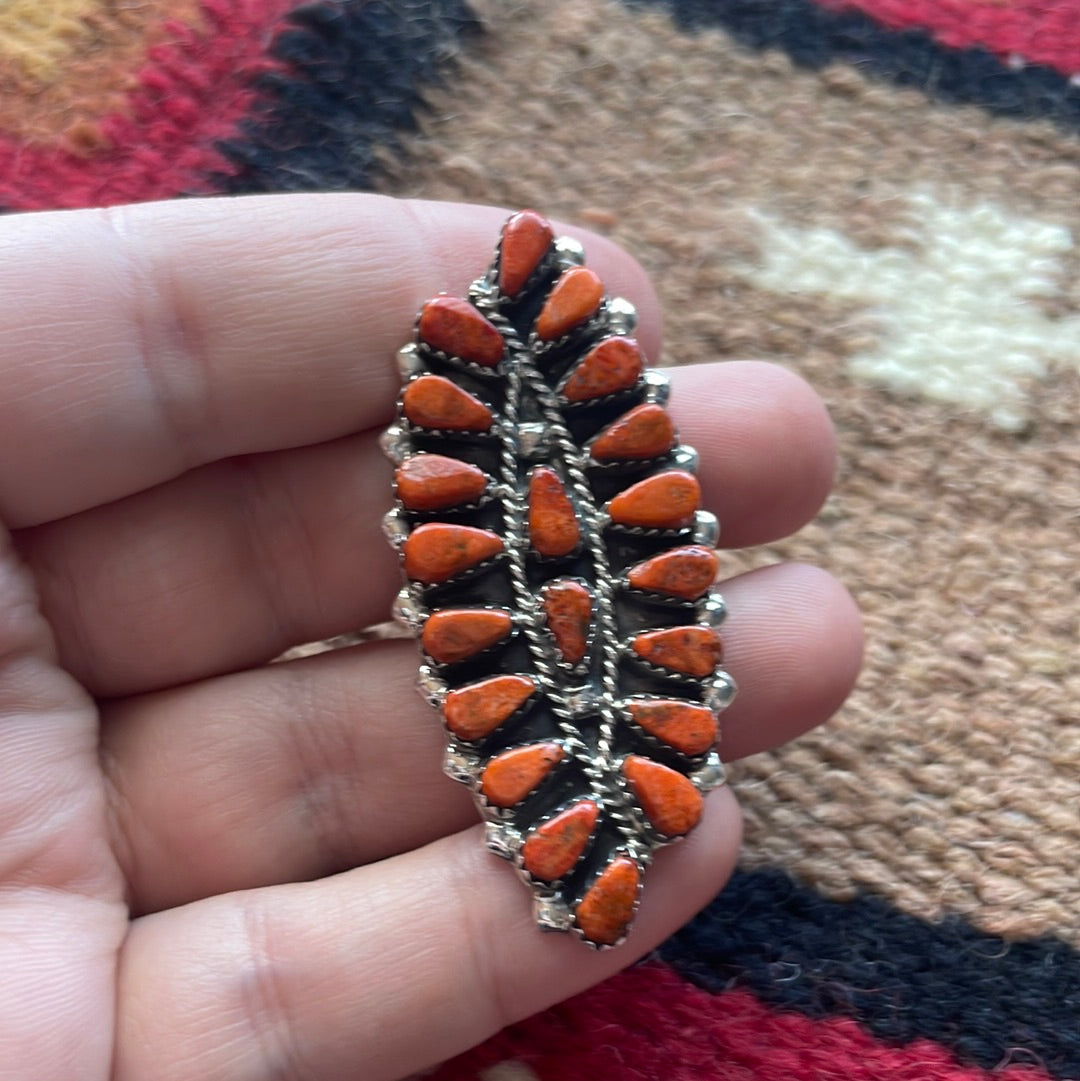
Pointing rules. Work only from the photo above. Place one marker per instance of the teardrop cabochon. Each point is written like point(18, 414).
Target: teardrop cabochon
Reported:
point(558, 572)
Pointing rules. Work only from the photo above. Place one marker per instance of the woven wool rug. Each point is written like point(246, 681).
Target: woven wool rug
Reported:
point(880, 194)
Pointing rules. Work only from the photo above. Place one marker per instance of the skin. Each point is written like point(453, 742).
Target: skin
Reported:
point(211, 866)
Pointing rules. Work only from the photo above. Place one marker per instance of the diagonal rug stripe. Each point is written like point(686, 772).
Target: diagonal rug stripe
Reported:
point(646, 1023)
point(242, 102)
point(190, 93)
point(985, 998)
point(814, 38)
point(1038, 31)
point(351, 81)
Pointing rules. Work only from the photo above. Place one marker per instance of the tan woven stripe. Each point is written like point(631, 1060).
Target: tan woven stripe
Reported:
point(37, 37)
point(952, 779)
point(79, 66)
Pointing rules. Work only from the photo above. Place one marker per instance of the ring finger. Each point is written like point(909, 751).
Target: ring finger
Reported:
point(303, 769)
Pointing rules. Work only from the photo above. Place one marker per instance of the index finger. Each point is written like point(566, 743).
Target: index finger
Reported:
point(139, 342)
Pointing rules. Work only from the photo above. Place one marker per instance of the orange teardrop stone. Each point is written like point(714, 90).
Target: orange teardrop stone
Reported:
point(525, 240)
point(455, 327)
point(553, 525)
point(434, 482)
point(436, 552)
point(554, 847)
point(679, 572)
point(645, 432)
point(664, 501)
point(433, 401)
point(670, 801)
point(694, 650)
point(572, 300)
point(568, 607)
point(509, 777)
point(475, 711)
point(687, 727)
point(613, 365)
point(608, 904)
point(455, 634)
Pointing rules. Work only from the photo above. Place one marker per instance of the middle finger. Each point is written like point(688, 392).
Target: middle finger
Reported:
point(232, 564)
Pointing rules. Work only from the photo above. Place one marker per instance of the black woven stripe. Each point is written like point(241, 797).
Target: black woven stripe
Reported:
point(814, 38)
point(357, 72)
point(989, 1000)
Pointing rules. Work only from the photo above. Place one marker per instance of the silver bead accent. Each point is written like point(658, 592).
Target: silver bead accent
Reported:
point(706, 528)
point(408, 611)
point(721, 692)
point(712, 609)
point(395, 444)
point(409, 362)
point(657, 386)
point(686, 458)
point(431, 687)
point(622, 316)
point(483, 291)
point(568, 252)
point(459, 766)
point(395, 528)
point(710, 775)
point(552, 914)
point(503, 840)
point(532, 439)
point(583, 702)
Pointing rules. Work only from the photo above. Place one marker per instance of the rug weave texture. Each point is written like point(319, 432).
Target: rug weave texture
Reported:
point(879, 194)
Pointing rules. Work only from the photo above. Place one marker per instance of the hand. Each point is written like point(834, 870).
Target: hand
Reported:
point(216, 867)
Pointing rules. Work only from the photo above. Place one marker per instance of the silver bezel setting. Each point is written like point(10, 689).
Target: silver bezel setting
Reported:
point(586, 701)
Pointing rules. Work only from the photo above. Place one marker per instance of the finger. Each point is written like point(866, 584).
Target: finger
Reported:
point(138, 342)
point(232, 564)
point(223, 568)
point(793, 641)
point(308, 768)
point(378, 972)
point(766, 443)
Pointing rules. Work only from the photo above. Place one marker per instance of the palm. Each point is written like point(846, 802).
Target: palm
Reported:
point(63, 912)
point(214, 866)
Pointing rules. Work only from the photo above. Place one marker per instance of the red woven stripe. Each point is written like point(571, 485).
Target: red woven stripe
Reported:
point(190, 94)
point(1039, 31)
point(649, 1023)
